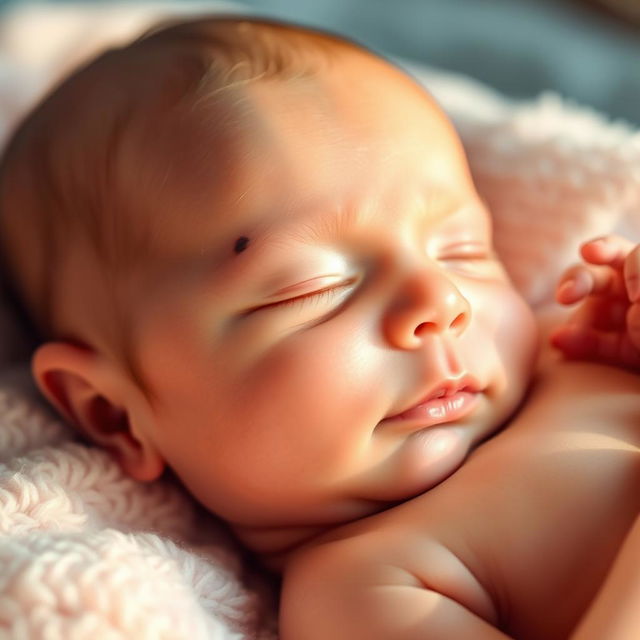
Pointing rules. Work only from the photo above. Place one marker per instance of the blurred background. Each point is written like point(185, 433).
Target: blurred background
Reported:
point(588, 51)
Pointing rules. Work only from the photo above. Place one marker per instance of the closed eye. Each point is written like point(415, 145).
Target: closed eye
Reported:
point(472, 260)
point(467, 252)
point(317, 298)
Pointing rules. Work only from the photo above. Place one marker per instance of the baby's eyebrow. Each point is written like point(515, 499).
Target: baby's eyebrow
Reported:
point(258, 243)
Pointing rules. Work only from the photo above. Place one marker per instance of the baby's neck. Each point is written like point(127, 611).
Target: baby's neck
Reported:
point(274, 545)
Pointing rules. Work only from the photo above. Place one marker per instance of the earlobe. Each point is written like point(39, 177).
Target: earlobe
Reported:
point(93, 395)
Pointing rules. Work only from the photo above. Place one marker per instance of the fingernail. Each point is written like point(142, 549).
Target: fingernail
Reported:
point(565, 290)
point(602, 241)
point(574, 288)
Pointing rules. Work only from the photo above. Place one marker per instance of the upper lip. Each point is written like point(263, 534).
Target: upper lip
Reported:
point(446, 387)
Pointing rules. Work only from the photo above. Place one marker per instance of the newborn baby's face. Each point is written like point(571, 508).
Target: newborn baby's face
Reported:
point(338, 269)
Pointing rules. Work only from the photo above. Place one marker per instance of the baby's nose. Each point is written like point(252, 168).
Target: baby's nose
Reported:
point(426, 302)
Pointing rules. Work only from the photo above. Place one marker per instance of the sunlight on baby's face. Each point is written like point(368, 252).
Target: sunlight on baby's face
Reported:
point(341, 271)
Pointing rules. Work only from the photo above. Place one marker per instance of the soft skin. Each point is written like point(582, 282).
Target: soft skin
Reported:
point(514, 545)
point(538, 534)
point(356, 197)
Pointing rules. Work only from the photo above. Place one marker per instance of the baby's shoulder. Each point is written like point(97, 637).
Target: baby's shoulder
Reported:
point(378, 554)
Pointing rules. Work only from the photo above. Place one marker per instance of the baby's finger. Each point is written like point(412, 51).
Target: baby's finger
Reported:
point(580, 343)
point(610, 250)
point(632, 274)
point(580, 281)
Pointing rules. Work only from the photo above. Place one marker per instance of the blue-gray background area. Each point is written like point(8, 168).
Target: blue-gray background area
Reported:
point(519, 47)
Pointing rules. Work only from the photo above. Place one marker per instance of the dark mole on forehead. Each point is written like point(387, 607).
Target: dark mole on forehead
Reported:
point(241, 244)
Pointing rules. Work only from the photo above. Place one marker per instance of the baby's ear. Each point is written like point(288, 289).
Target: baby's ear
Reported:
point(90, 392)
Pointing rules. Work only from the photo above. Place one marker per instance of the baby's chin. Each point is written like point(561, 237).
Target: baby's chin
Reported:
point(427, 458)
point(424, 460)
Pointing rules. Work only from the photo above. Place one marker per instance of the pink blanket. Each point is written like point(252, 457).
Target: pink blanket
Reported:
point(87, 553)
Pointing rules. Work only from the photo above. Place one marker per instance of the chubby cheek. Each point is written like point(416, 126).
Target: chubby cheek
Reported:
point(311, 402)
point(515, 336)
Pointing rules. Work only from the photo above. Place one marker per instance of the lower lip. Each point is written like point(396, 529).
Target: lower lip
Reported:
point(441, 410)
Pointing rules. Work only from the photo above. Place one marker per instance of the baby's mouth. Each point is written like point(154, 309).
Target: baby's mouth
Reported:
point(450, 400)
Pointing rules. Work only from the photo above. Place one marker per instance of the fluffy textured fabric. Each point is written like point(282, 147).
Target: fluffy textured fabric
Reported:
point(85, 552)
point(553, 174)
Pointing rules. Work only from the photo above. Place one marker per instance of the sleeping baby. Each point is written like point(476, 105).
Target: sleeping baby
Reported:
point(255, 257)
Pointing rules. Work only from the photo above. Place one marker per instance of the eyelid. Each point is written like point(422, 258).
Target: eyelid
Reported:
point(467, 250)
point(332, 278)
point(336, 282)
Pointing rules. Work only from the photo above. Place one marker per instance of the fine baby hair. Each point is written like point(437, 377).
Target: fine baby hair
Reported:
point(85, 165)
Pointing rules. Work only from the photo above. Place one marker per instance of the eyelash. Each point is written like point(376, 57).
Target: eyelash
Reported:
point(315, 296)
point(477, 258)
point(476, 253)
point(470, 261)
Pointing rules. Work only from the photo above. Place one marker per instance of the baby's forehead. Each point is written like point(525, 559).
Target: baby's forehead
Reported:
point(211, 161)
point(244, 172)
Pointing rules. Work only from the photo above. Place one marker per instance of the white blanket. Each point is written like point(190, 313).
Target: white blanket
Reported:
point(87, 553)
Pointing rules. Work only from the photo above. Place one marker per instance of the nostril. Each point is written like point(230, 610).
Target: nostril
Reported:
point(459, 322)
point(425, 327)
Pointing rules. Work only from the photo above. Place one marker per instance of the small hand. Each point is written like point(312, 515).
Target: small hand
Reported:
point(606, 325)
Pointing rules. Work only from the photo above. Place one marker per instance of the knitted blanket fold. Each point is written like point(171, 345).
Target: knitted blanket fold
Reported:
point(86, 552)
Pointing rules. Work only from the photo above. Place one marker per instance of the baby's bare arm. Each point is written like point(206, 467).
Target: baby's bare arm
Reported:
point(615, 612)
